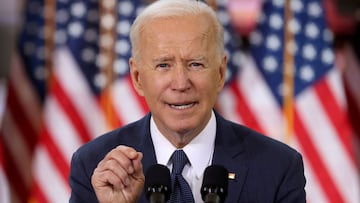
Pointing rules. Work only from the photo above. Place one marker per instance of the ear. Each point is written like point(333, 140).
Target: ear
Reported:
point(222, 73)
point(135, 76)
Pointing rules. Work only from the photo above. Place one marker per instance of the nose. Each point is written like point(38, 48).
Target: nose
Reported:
point(181, 80)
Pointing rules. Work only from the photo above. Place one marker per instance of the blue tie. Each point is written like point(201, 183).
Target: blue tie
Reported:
point(181, 189)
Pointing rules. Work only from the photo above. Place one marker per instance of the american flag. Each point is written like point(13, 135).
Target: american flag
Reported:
point(86, 91)
point(289, 87)
point(89, 90)
point(53, 108)
point(21, 122)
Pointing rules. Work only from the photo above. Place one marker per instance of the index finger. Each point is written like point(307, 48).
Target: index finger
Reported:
point(124, 156)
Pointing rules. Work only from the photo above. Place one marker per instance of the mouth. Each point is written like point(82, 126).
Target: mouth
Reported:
point(182, 106)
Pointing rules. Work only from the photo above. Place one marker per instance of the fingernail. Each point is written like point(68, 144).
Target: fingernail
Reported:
point(133, 154)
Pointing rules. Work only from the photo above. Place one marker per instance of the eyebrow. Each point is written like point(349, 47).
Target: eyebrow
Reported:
point(162, 59)
point(199, 58)
point(171, 58)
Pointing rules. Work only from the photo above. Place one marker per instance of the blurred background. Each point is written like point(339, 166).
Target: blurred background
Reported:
point(293, 74)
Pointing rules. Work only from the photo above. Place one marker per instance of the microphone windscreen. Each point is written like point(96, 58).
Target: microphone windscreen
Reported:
point(215, 180)
point(157, 179)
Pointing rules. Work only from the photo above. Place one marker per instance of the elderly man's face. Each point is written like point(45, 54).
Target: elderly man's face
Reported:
point(180, 73)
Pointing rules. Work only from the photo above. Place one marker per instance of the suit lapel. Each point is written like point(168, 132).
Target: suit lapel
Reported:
point(229, 152)
point(146, 146)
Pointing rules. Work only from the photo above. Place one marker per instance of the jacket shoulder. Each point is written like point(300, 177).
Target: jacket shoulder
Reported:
point(129, 135)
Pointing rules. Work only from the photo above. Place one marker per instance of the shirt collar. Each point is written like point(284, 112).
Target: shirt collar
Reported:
point(199, 151)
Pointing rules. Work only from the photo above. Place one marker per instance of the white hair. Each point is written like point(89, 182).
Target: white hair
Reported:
point(174, 8)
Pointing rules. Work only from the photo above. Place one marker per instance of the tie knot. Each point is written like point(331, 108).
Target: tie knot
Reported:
point(179, 160)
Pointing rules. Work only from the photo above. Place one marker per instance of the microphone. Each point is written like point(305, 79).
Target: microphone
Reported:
point(215, 184)
point(158, 184)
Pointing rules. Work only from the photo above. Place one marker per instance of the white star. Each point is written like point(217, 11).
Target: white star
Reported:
point(279, 3)
point(309, 52)
point(90, 35)
point(307, 73)
point(270, 64)
point(327, 56)
point(139, 9)
point(120, 66)
point(314, 9)
point(62, 16)
point(125, 8)
point(297, 6)
point(78, 9)
point(256, 38)
point(273, 42)
point(75, 29)
point(122, 47)
point(311, 30)
point(88, 55)
point(276, 21)
point(100, 80)
point(237, 58)
point(123, 27)
point(223, 17)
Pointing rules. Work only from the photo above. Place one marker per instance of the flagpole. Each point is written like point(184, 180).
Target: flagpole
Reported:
point(107, 56)
point(288, 75)
point(49, 33)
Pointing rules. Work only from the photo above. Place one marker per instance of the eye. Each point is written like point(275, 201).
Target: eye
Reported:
point(196, 65)
point(163, 65)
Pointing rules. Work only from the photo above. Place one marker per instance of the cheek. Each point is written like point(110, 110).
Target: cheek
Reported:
point(211, 86)
point(153, 86)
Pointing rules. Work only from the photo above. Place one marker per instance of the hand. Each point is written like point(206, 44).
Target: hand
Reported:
point(119, 176)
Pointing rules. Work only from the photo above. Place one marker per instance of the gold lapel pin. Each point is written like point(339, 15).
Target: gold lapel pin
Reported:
point(231, 176)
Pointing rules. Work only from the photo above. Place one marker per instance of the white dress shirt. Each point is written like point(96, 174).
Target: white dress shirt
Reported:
point(199, 152)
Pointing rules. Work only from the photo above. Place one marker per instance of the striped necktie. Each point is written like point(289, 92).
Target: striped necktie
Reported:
point(181, 189)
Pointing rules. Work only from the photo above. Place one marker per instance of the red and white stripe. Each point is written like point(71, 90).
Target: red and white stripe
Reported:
point(322, 129)
point(19, 134)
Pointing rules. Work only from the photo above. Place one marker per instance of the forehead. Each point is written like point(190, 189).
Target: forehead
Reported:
point(177, 29)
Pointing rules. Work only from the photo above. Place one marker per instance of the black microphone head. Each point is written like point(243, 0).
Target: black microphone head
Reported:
point(215, 181)
point(158, 180)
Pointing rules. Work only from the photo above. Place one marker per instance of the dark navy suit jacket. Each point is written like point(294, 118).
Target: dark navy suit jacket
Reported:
point(265, 170)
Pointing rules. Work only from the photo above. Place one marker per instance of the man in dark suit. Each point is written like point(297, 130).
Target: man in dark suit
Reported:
point(178, 64)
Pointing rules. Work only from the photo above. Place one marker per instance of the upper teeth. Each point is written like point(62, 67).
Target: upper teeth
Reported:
point(182, 106)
